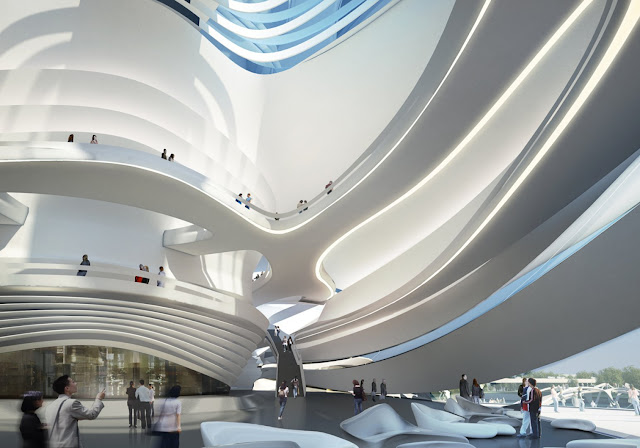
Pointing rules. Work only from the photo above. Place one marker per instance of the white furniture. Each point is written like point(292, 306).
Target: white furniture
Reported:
point(504, 429)
point(452, 406)
point(574, 423)
point(604, 443)
point(217, 434)
point(435, 444)
point(270, 444)
point(503, 421)
point(475, 408)
point(381, 422)
point(441, 421)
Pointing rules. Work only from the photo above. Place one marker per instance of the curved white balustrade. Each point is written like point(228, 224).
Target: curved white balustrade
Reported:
point(45, 304)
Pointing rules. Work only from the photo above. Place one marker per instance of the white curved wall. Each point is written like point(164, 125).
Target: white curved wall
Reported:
point(268, 121)
point(489, 153)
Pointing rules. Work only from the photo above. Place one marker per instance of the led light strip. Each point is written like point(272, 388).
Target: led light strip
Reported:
point(623, 32)
point(479, 126)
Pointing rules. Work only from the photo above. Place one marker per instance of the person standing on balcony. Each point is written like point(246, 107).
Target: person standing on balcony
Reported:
point(145, 279)
point(248, 201)
point(85, 262)
point(172, 158)
point(94, 140)
point(162, 274)
point(164, 154)
point(70, 139)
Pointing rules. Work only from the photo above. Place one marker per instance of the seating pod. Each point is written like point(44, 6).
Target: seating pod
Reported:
point(604, 443)
point(219, 434)
point(441, 421)
point(435, 444)
point(475, 408)
point(270, 444)
point(574, 423)
point(504, 429)
point(452, 406)
point(381, 422)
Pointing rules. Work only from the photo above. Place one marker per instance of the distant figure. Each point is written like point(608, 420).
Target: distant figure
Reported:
point(362, 383)
point(85, 262)
point(581, 400)
point(633, 398)
point(475, 391)
point(172, 158)
point(593, 404)
point(305, 207)
point(168, 424)
point(358, 397)
point(139, 278)
point(248, 200)
point(294, 386)
point(34, 433)
point(534, 409)
point(239, 201)
point(521, 387)
point(153, 398)
point(374, 390)
point(276, 218)
point(300, 205)
point(464, 388)
point(144, 395)
point(70, 139)
point(164, 154)
point(277, 329)
point(163, 274)
point(132, 404)
point(283, 393)
point(63, 414)
point(94, 140)
point(328, 185)
point(145, 279)
point(383, 390)
point(554, 398)
point(284, 345)
point(290, 343)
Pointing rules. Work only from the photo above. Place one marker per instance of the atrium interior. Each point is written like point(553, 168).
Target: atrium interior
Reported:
point(343, 205)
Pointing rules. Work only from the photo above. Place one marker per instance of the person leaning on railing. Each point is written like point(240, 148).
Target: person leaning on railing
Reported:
point(85, 262)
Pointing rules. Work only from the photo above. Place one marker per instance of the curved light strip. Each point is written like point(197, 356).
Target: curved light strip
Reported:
point(478, 127)
point(254, 7)
point(623, 32)
point(280, 55)
point(276, 30)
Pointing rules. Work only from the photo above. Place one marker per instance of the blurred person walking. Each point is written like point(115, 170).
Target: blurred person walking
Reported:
point(168, 426)
point(34, 433)
point(85, 262)
point(283, 393)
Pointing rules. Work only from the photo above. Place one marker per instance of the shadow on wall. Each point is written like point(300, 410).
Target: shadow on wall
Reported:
point(181, 265)
point(6, 233)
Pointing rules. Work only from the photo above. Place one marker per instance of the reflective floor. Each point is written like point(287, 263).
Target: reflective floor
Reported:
point(318, 412)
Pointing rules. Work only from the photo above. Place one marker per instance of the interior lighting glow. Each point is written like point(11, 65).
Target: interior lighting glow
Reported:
point(477, 128)
point(629, 21)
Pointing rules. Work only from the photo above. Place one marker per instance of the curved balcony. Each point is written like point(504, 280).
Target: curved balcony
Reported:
point(45, 304)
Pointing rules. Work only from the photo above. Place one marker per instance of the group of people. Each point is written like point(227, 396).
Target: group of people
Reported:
point(164, 156)
point(247, 200)
point(360, 396)
point(159, 282)
point(302, 206)
point(94, 140)
point(475, 393)
point(64, 414)
point(531, 406)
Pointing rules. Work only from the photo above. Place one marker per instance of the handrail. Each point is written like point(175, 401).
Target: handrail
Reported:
point(13, 266)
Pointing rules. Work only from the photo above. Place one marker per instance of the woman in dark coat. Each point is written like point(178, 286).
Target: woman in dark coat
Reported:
point(34, 434)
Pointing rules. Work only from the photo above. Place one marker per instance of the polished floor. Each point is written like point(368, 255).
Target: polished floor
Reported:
point(318, 412)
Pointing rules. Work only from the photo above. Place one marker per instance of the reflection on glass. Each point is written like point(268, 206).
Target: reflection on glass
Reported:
point(95, 368)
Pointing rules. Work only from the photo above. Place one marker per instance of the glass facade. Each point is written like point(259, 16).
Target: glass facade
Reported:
point(96, 368)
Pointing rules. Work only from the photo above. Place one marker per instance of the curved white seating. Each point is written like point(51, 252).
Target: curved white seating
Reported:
point(267, 444)
point(503, 421)
point(470, 406)
point(217, 434)
point(452, 406)
point(504, 429)
point(604, 443)
point(435, 420)
point(381, 422)
point(436, 444)
point(514, 414)
point(574, 423)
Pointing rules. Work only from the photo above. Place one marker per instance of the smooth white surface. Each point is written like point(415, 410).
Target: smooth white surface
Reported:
point(12, 211)
point(570, 423)
point(435, 420)
point(221, 433)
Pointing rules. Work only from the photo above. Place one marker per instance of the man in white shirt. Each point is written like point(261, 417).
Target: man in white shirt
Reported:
point(163, 274)
point(64, 413)
point(144, 395)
